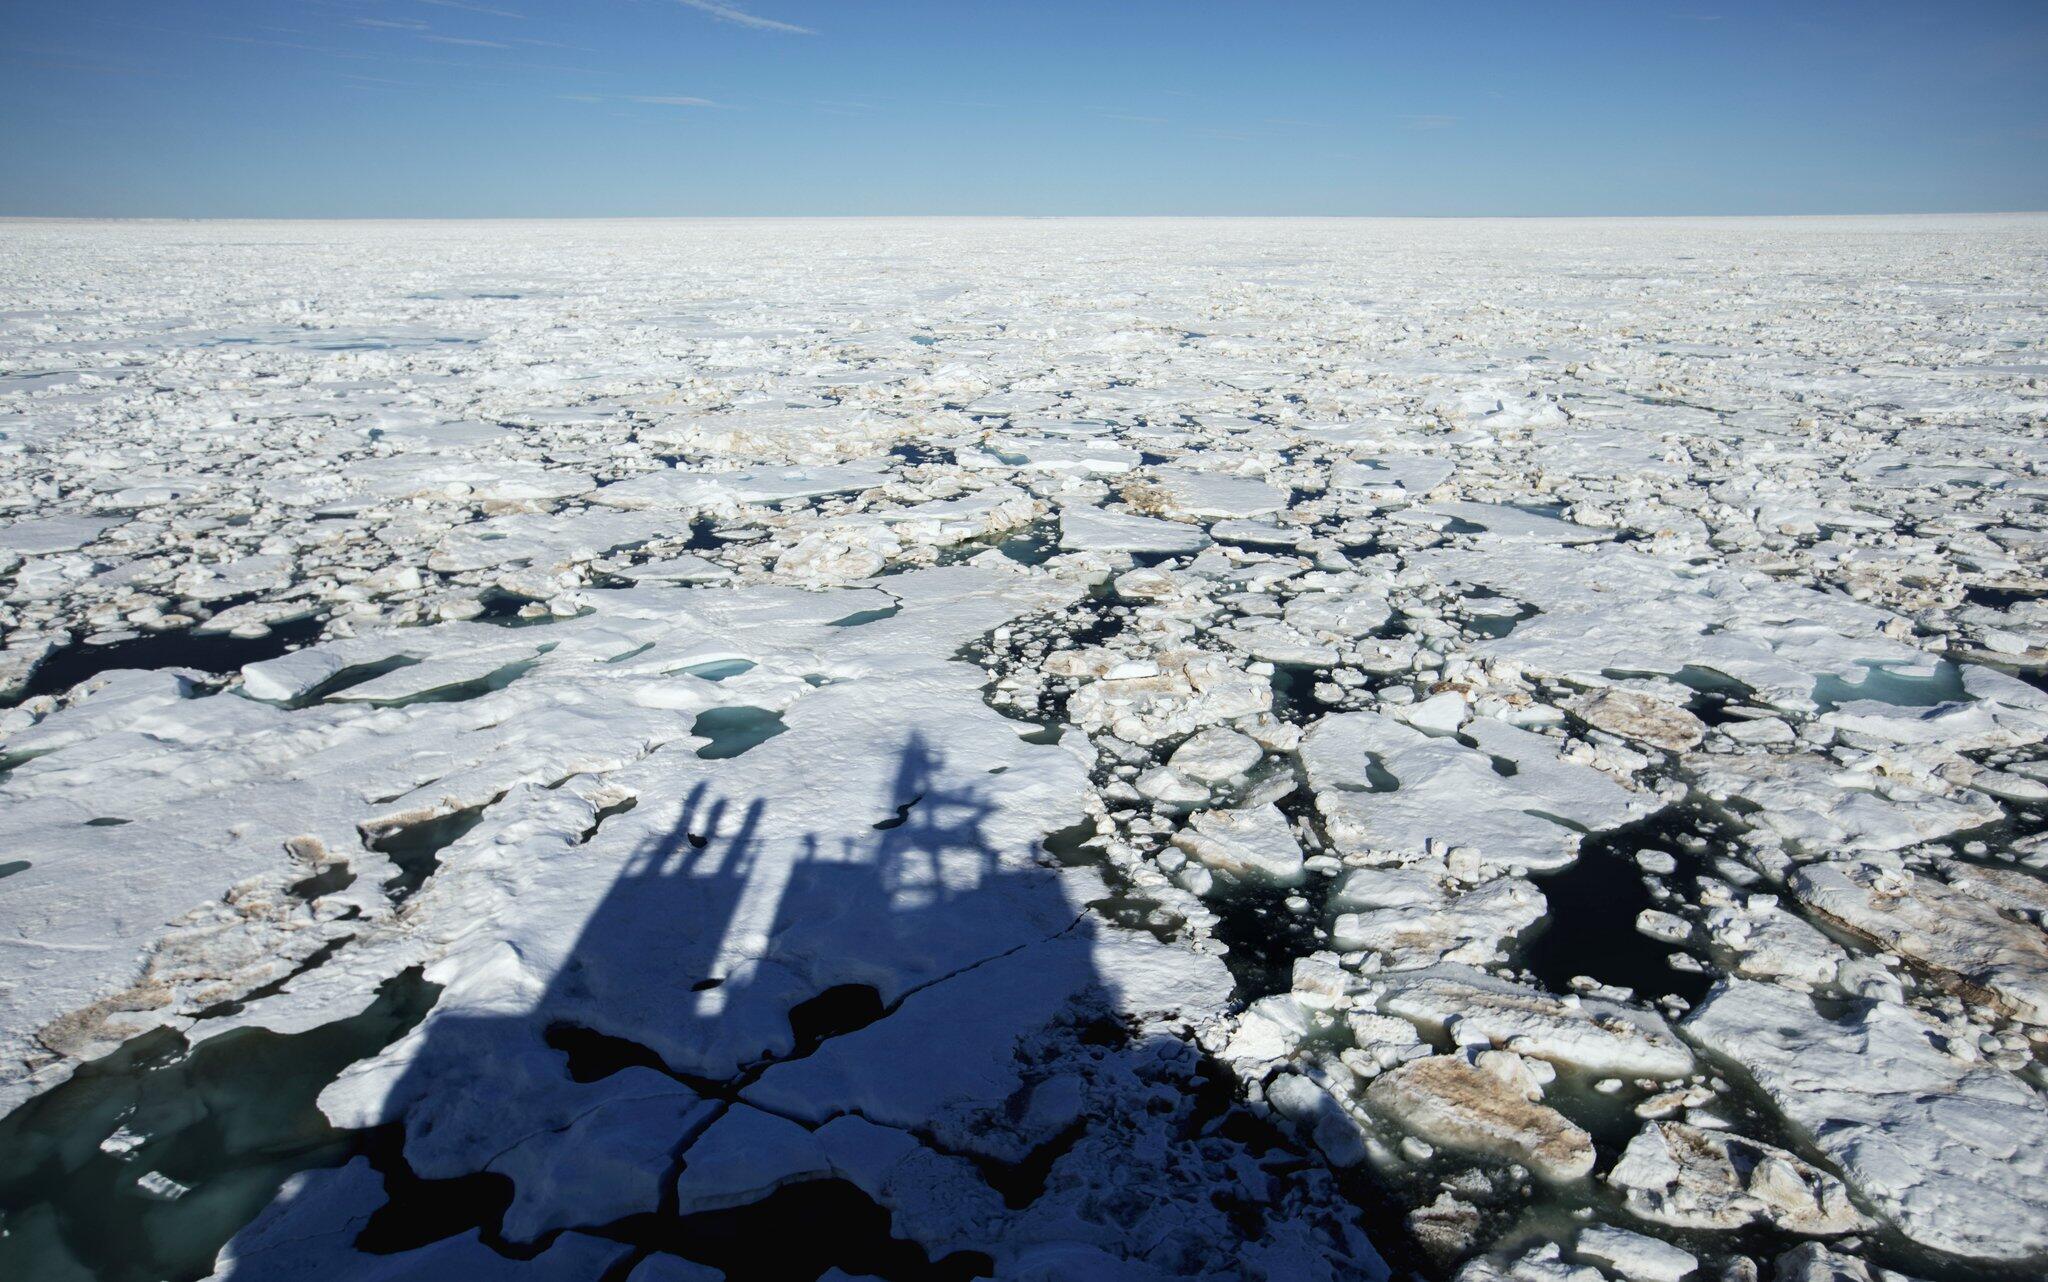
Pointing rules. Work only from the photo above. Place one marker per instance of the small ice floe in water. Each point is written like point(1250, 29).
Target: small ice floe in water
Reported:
point(162, 1187)
point(122, 1142)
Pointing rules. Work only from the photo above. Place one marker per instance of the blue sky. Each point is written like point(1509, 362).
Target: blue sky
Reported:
point(646, 107)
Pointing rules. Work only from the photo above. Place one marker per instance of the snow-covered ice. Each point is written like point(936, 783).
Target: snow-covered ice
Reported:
point(1038, 749)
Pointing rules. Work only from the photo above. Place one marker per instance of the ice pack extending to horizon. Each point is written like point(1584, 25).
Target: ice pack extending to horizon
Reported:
point(1137, 749)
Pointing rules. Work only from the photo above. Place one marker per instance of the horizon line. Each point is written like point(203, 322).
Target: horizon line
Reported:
point(992, 217)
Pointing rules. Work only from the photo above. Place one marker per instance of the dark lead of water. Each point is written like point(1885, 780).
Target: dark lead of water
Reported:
point(1590, 928)
point(1999, 598)
point(1264, 935)
point(228, 1121)
point(704, 536)
point(502, 608)
point(1035, 544)
point(416, 848)
point(915, 454)
point(1294, 694)
point(839, 1010)
point(214, 652)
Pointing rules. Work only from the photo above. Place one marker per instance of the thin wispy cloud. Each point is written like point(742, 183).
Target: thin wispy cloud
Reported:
point(424, 31)
point(740, 17)
point(286, 44)
point(642, 100)
point(464, 40)
point(1429, 121)
point(382, 82)
point(474, 8)
point(1136, 120)
point(61, 60)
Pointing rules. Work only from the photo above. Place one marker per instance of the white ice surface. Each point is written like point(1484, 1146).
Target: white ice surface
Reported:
point(732, 580)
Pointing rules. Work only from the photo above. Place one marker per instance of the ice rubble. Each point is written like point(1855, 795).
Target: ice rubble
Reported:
point(1081, 755)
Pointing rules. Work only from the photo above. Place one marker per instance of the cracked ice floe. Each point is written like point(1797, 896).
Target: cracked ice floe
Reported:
point(1390, 478)
point(1437, 793)
point(1954, 1153)
point(546, 543)
point(1967, 941)
point(1503, 522)
point(1616, 610)
point(1816, 803)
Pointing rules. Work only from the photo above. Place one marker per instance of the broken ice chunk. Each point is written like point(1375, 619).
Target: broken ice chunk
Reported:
point(1447, 1101)
point(1639, 718)
point(1216, 755)
point(1691, 1178)
point(1593, 1036)
point(1252, 842)
point(1469, 928)
point(1183, 493)
point(1169, 787)
point(1815, 1263)
point(1635, 1256)
point(122, 1142)
point(162, 1187)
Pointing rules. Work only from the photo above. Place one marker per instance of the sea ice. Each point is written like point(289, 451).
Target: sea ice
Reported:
point(1048, 741)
